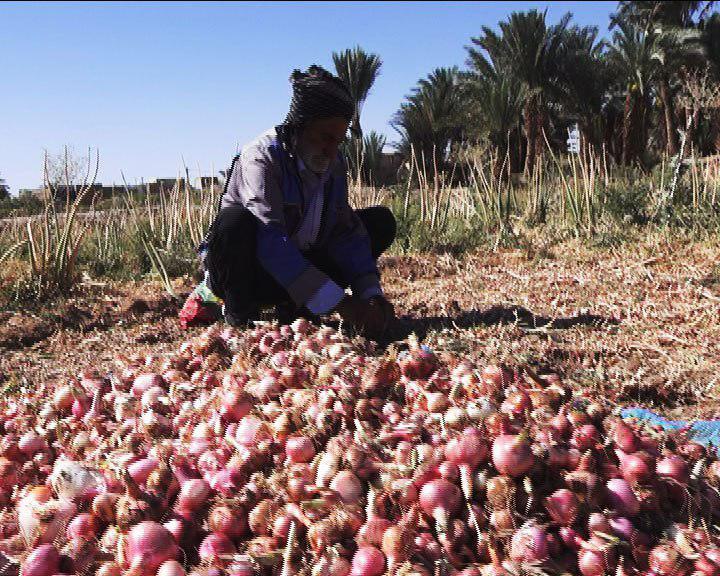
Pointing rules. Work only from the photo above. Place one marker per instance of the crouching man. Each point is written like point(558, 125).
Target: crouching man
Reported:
point(286, 235)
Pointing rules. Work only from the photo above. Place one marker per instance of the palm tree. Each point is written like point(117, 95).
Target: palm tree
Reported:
point(431, 120)
point(631, 58)
point(669, 30)
point(710, 38)
point(527, 49)
point(497, 104)
point(4, 189)
point(365, 155)
point(358, 70)
point(583, 81)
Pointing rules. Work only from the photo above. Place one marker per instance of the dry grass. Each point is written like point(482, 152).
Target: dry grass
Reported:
point(639, 325)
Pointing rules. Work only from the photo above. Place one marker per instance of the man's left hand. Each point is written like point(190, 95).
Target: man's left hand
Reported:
point(381, 313)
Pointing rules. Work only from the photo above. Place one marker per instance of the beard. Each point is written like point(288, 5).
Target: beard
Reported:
point(318, 163)
point(313, 159)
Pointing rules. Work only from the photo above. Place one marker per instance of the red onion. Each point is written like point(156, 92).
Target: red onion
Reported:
point(171, 568)
point(625, 438)
point(673, 467)
point(371, 533)
point(529, 544)
point(141, 469)
point(511, 455)
point(42, 561)
point(228, 521)
point(585, 438)
point(665, 560)
point(214, 546)
point(635, 468)
point(368, 561)
point(151, 544)
point(622, 498)
point(235, 406)
point(109, 569)
point(440, 499)
point(562, 506)
point(146, 381)
point(193, 494)
point(467, 451)
point(83, 526)
point(348, 486)
point(299, 449)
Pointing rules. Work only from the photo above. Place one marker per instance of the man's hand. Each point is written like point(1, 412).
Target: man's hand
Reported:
point(370, 317)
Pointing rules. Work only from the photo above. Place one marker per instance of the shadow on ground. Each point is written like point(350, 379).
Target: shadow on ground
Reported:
point(406, 325)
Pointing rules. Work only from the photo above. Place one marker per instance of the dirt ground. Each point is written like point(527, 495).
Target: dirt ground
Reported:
point(638, 325)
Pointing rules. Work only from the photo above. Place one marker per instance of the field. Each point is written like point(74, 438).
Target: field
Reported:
point(544, 307)
point(638, 324)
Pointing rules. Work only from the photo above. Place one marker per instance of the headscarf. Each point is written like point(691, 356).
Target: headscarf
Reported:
point(316, 94)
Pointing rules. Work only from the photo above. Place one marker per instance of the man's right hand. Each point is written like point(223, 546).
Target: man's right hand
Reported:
point(369, 318)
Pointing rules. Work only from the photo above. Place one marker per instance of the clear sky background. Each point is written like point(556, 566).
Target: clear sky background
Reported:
point(151, 84)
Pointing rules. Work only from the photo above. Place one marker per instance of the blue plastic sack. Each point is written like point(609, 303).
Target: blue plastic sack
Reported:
point(705, 432)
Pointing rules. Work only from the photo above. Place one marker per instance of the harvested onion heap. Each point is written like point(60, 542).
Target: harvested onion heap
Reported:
point(288, 450)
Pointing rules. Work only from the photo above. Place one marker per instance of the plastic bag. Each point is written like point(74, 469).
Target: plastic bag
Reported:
point(75, 481)
point(202, 307)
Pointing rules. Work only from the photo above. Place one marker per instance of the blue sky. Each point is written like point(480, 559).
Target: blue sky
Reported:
point(151, 84)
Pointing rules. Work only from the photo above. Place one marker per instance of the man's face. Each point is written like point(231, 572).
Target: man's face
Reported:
point(319, 140)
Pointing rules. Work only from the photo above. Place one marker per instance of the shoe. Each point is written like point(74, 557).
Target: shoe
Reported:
point(288, 312)
point(242, 318)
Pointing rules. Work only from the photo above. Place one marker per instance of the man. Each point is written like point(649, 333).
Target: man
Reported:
point(286, 235)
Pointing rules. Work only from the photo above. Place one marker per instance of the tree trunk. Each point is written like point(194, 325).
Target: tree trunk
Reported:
point(671, 135)
point(625, 158)
point(715, 129)
point(531, 134)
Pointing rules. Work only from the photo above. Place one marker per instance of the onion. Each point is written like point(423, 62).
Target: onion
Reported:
point(371, 533)
point(299, 449)
point(511, 455)
point(529, 544)
point(622, 498)
point(625, 438)
point(42, 561)
point(673, 467)
point(214, 546)
point(228, 521)
point(144, 382)
point(193, 495)
point(467, 451)
point(368, 561)
point(151, 544)
point(171, 568)
point(235, 406)
point(83, 526)
point(562, 506)
point(348, 486)
point(109, 569)
point(635, 469)
point(665, 560)
point(141, 469)
point(440, 499)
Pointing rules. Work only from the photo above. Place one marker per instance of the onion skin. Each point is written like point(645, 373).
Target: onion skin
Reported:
point(529, 544)
point(621, 497)
point(665, 560)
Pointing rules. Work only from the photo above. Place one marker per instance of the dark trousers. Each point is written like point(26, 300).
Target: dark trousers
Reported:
point(237, 276)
